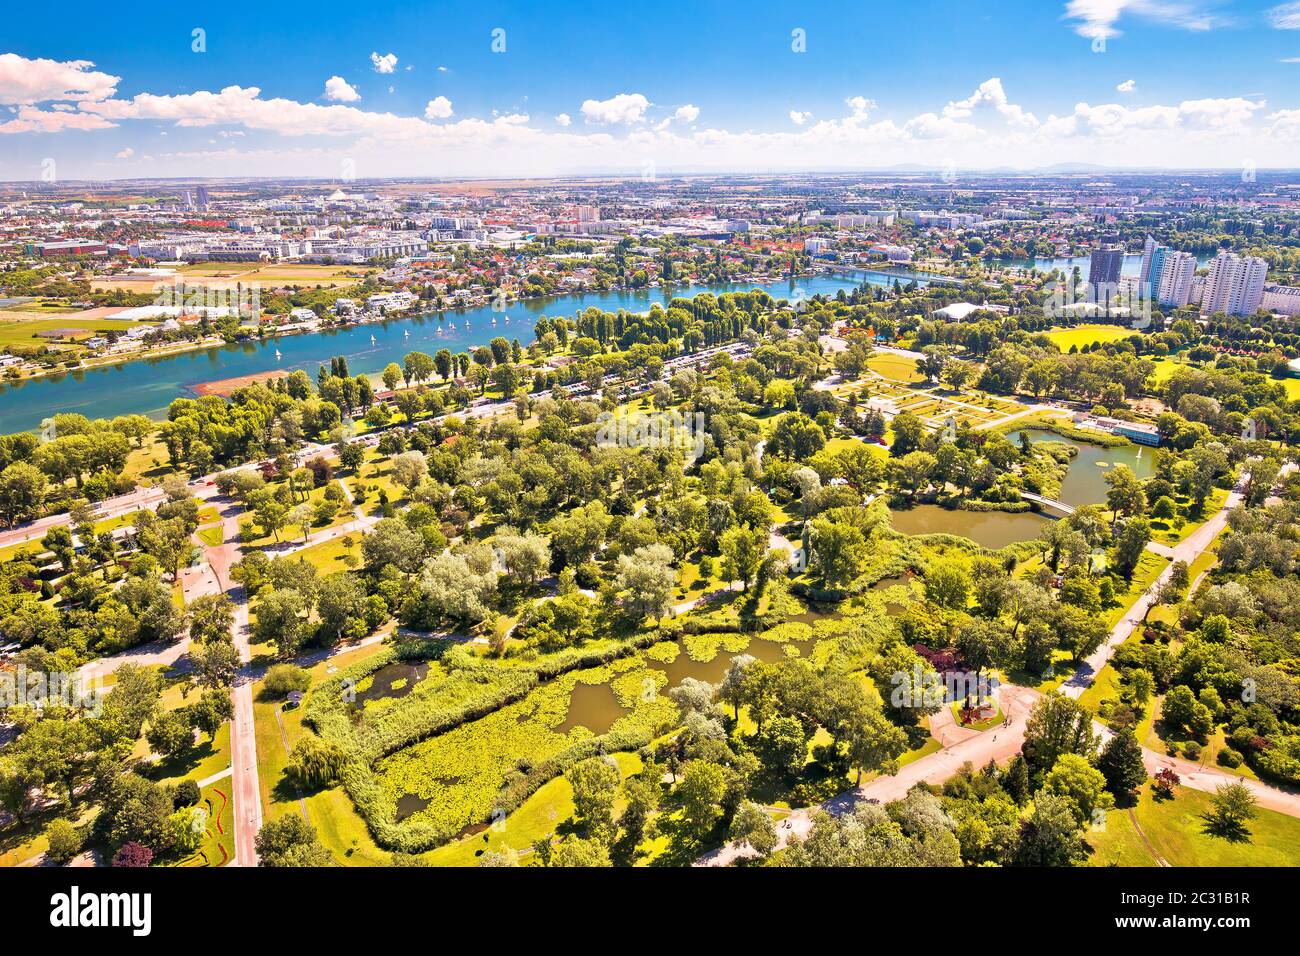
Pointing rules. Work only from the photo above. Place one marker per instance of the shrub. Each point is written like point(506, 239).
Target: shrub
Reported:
point(186, 794)
point(133, 854)
point(283, 678)
point(1229, 757)
point(1192, 750)
point(65, 841)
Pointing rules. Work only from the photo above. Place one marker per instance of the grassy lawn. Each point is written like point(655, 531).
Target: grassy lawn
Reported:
point(212, 535)
point(1174, 531)
point(1082, 335)
point(1149, 567)
point(897, 368)
point(341, 828)
point(330, 556)
point(1177, 832)
point(25, 331)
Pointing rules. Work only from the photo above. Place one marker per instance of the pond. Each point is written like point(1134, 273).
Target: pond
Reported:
point(594, 706)
point(409, 805)
point(988, 529)
point(682, 666)
point(1085, 481)
point(393, 681)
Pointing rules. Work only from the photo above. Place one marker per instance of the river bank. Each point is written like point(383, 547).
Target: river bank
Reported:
point(147, 385)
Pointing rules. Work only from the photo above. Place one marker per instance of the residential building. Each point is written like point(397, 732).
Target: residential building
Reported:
point(1235, 285)
point(1173, 283)
point(1281, 299)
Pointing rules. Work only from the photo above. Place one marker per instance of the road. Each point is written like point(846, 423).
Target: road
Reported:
point(213, 577)
point(1187, 550)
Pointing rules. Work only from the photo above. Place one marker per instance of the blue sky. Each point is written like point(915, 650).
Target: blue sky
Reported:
point(675, 85)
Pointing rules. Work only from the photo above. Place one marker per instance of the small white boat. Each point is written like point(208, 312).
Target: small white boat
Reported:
point(277, 355)
point(406, 334)
point(372, 340)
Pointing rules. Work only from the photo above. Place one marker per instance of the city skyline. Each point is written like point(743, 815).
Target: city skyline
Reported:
point(502, 90)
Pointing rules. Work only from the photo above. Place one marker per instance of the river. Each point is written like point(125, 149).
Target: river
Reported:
point(147, 386)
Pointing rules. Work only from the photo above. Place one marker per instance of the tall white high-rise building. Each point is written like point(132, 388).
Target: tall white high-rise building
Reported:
point(1145, 276)
point(1235, 285)
point(1174, 283)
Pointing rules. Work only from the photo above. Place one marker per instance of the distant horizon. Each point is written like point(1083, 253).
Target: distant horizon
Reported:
point(1057, 170)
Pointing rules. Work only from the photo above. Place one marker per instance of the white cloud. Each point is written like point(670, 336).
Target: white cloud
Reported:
point(1291, 59)
point(125, 153)
point(438, 108)
point(340, 90)
point(982, 130)
point(441, 69)
point(622, 108)
point(1099, 18)
point(860, 105)
point(384, 64)
point(1285, 17)
point(687, 113)
point(990, 95)
point(26, 82)
point(1128, 86)
point(31, 119)
point(1285, 125)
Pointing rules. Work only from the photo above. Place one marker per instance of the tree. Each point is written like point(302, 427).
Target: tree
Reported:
point(796, 437)
point(752, 827)
point(742, 552)
point(1051, 836)
point(449, 590)
point(64, 840)
point(22, 492)
point(315, 763)
point(648, 579)
point(211, 711)
point(782, 745)
point(170, 734)
point(216, 663)
point(1133, 540)
point(1125, 496)
point(282, 619)
point(211, 618)
point(575, 852)
point(418, 367)
point(1121, 764)
point(132, 853)
point(731, 690)
point(1074, 778)
point(1232, 808)
point(912, 472)
point(282, 678)
point(524, 556)
point(391, 375)
point(839, 550)
point(1057, 725)
point(700, 794)
point(595, 785)
point(290, 841)
point(409, 469)
point(341, 604)
point(948, 584)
